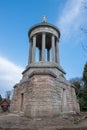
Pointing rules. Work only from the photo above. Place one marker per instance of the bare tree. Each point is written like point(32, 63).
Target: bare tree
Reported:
point(84, 29)
point(0, 98)
point(84, 4)
point(8, 95)
point(78, 83)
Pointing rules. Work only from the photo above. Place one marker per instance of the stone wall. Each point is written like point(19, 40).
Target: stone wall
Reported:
point(44, 96)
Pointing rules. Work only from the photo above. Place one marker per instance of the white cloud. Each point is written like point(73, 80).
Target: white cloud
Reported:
point(10, 74)
point(71, 18)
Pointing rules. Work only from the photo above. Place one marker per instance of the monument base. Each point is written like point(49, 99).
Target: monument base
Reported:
point(44, 95)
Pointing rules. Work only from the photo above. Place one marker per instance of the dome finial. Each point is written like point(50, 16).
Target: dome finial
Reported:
point(44, 18)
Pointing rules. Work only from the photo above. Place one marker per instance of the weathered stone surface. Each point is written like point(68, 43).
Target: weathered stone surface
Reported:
point(44, 96)
point(43, 90)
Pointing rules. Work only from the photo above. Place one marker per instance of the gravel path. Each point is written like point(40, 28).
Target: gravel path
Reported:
point(18, 121)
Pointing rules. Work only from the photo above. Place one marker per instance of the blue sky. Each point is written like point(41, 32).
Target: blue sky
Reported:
point(17, 16)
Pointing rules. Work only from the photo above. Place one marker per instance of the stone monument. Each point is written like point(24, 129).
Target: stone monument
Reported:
point(43, 90)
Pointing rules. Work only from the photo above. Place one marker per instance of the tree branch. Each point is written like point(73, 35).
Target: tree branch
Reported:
point(84, 30)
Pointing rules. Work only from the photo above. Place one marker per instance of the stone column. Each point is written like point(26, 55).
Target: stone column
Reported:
point(53, 48)
point(57, 52)
point(39, 54)
point(48, 54)
point(30, 53)
point(34, 48)
point(43, 46)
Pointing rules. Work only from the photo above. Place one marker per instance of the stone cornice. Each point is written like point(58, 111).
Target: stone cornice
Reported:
point(42, 64)
point(43, 24)
point(42, 73)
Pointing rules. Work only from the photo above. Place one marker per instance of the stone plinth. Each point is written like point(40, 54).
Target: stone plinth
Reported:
point(44, 96)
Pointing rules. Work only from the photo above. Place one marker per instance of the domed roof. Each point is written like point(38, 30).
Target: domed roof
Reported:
point(43, 24)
